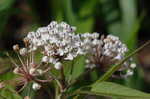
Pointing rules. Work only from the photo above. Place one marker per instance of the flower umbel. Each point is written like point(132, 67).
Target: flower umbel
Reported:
point(107, 51)
point(28, 69)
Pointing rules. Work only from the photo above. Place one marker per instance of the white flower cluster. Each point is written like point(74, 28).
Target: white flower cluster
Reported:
point(107, 51)
point(60, 42)
point(114, 47)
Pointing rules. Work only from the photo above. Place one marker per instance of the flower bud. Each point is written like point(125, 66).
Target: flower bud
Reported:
point(87, 61)
point(16, 70)
point(58, 65)
point(26, 41)
point(133, 65)
point(36, 86)
point(32, 71)
point(16, 47)
point(45, 59)
point(23, 51)
point(39, 71)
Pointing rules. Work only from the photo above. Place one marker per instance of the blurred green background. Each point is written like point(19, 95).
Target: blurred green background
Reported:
point(128, 19)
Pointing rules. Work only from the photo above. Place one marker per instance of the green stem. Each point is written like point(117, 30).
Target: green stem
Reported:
point(71, 71)
point(57, 93)
point(63, 80)
point(117, 66)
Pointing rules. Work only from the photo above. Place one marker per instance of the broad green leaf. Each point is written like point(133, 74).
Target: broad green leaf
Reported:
point(8, 92)
point(115, 90)
point(8, 76)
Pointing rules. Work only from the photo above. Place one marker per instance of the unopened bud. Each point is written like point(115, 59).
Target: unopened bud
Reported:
point(16, 70)
point(32, 71)
point(23, 51)
point(36, 86)
point(133, 65)
point(26, 41)
point(40, 72)
point(45, 59)
point(58, 65)
point(16, 47)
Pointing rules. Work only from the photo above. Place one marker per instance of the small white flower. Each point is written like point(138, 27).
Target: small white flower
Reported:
point(36, 86)
point(32, 71)
point(58, 66)
point(80, 51)
point(90, 66)
point(40, 71)
point(16, 47)
point(23, 51)
point(87, 61)
point(133, 65)
point(69, 57)
point(96, 42)
point(118, 57)
point(52, 60)
point(45, 59)
point(95, 35)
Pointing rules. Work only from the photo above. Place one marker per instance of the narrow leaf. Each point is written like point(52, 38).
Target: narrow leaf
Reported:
point(116, 90)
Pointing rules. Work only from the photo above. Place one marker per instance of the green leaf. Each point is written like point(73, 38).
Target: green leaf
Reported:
point(78, 66)
point(115, 90)
point(75, 68)
point(8, 92)
point(8, 76)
